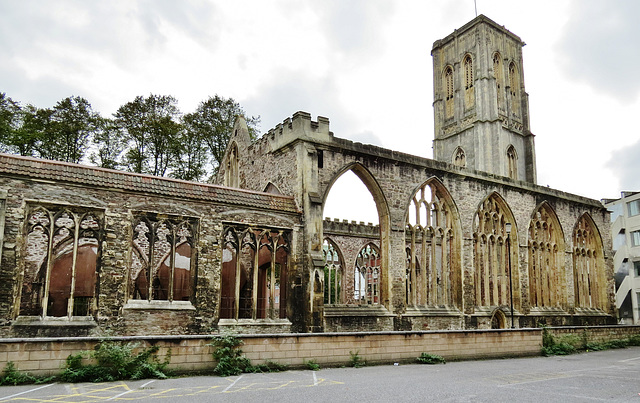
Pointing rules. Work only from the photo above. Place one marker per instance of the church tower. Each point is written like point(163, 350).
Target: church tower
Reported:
point(480, 104)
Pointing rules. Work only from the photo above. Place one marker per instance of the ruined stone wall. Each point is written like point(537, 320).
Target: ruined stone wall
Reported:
point(116, 313)
point(393, 178)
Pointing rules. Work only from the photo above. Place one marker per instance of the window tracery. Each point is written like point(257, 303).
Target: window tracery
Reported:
point(588, 265)
point(162, 258)
point(546, 268)
point(332, 273)
point(448, 89)
point(61, 261)
point(492, 275)
point(459, 158)
point(431, 264)
point(254, 273)
point(367, 276)
point(469, 95)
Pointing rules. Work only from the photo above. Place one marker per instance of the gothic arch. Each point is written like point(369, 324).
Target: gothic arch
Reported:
point(588, 265)
point(367, 276)
point(496, 270)
point(382, 206)
point(434, 271)
point(271, 188)
point(334, 278)
point(514, 88)
point(545, 246)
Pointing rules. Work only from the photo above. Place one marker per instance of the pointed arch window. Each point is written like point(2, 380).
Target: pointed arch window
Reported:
point(491, 278)
point(448, 90)
point(432, 265)
point(459, 158)
point(162, 258)
point(366, 289)
point(514, 88)
point(499, 77)
point(588, 265)
point(512, 162)
point(469, 95)
point(332, 273)
point(546, 265)
point(62, 252)
point(254, 273)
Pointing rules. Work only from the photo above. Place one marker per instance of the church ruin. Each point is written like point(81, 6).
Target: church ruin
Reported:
point(466, 240)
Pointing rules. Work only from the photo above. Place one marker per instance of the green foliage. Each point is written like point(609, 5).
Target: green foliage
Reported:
point(552, 347)
point(634, 340)
point(570, 344)
point(268, 366)
point(312, 365)
point(11, 376)
point(115, 361)
point(229, 356)
point(355, 360)
point(426, 358)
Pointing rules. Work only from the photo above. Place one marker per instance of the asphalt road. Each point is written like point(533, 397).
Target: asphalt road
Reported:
point(612, 375)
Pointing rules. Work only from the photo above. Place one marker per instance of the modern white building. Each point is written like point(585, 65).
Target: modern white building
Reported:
point(625, 230)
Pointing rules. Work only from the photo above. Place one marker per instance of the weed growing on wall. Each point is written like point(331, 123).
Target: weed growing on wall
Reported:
point(570, 344)
point(426, 358)
point(312, 365)
point(355, 360)
point(231, 361)
point(115, 361)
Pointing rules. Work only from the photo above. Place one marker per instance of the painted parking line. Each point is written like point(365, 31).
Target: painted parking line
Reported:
point(26, 391)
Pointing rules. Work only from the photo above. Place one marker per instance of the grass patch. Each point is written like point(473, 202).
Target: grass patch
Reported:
point(355, 360)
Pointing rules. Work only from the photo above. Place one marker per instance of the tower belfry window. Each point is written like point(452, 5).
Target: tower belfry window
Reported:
point(514, 84)
point(498, 74)
point(512, 163)
point(448, 88)
point(469, 95)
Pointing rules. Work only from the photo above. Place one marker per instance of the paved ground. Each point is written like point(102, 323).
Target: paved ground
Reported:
point(612, 375)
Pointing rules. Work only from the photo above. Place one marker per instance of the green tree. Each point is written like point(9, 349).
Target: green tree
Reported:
point(213, 122)
point(109, 144)
point(191, 156)
point(67, 129)
point(9, 115)
point(150, 127)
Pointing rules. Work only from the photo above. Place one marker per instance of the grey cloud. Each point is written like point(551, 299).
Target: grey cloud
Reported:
point(599, 46)
point(292, 91)
point(625, 164)
point(366, 137)
point(354, 28)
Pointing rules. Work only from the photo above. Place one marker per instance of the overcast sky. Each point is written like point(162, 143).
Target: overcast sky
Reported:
point(364, 64)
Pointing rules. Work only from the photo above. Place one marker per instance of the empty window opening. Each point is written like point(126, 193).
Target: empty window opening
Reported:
point(332, 273)
point(367, 276)
point(61, 262)
point(350, 199)
point(546, 260)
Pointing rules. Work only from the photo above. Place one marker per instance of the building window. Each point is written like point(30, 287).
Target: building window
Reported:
point(498, 74)
point(332, 273)
point(431, 265)
point(635, 238)
point(469, 95)
point(163, 258)
point(459, 158)
point(546, 268)
point(492, 275)
point(634, 207)
point(448, 89)
point(512, 163)
point(588, 265)
point(61, 261)
point(366, 288)
point(254, 273)
point(514, 89)
point(636, 268)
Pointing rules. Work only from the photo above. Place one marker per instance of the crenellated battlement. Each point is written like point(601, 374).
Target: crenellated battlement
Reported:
point(299, 126)
point(351, 228)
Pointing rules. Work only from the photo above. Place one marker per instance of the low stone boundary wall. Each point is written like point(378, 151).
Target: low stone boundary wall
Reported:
point(44, 356)
point(597, 334)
